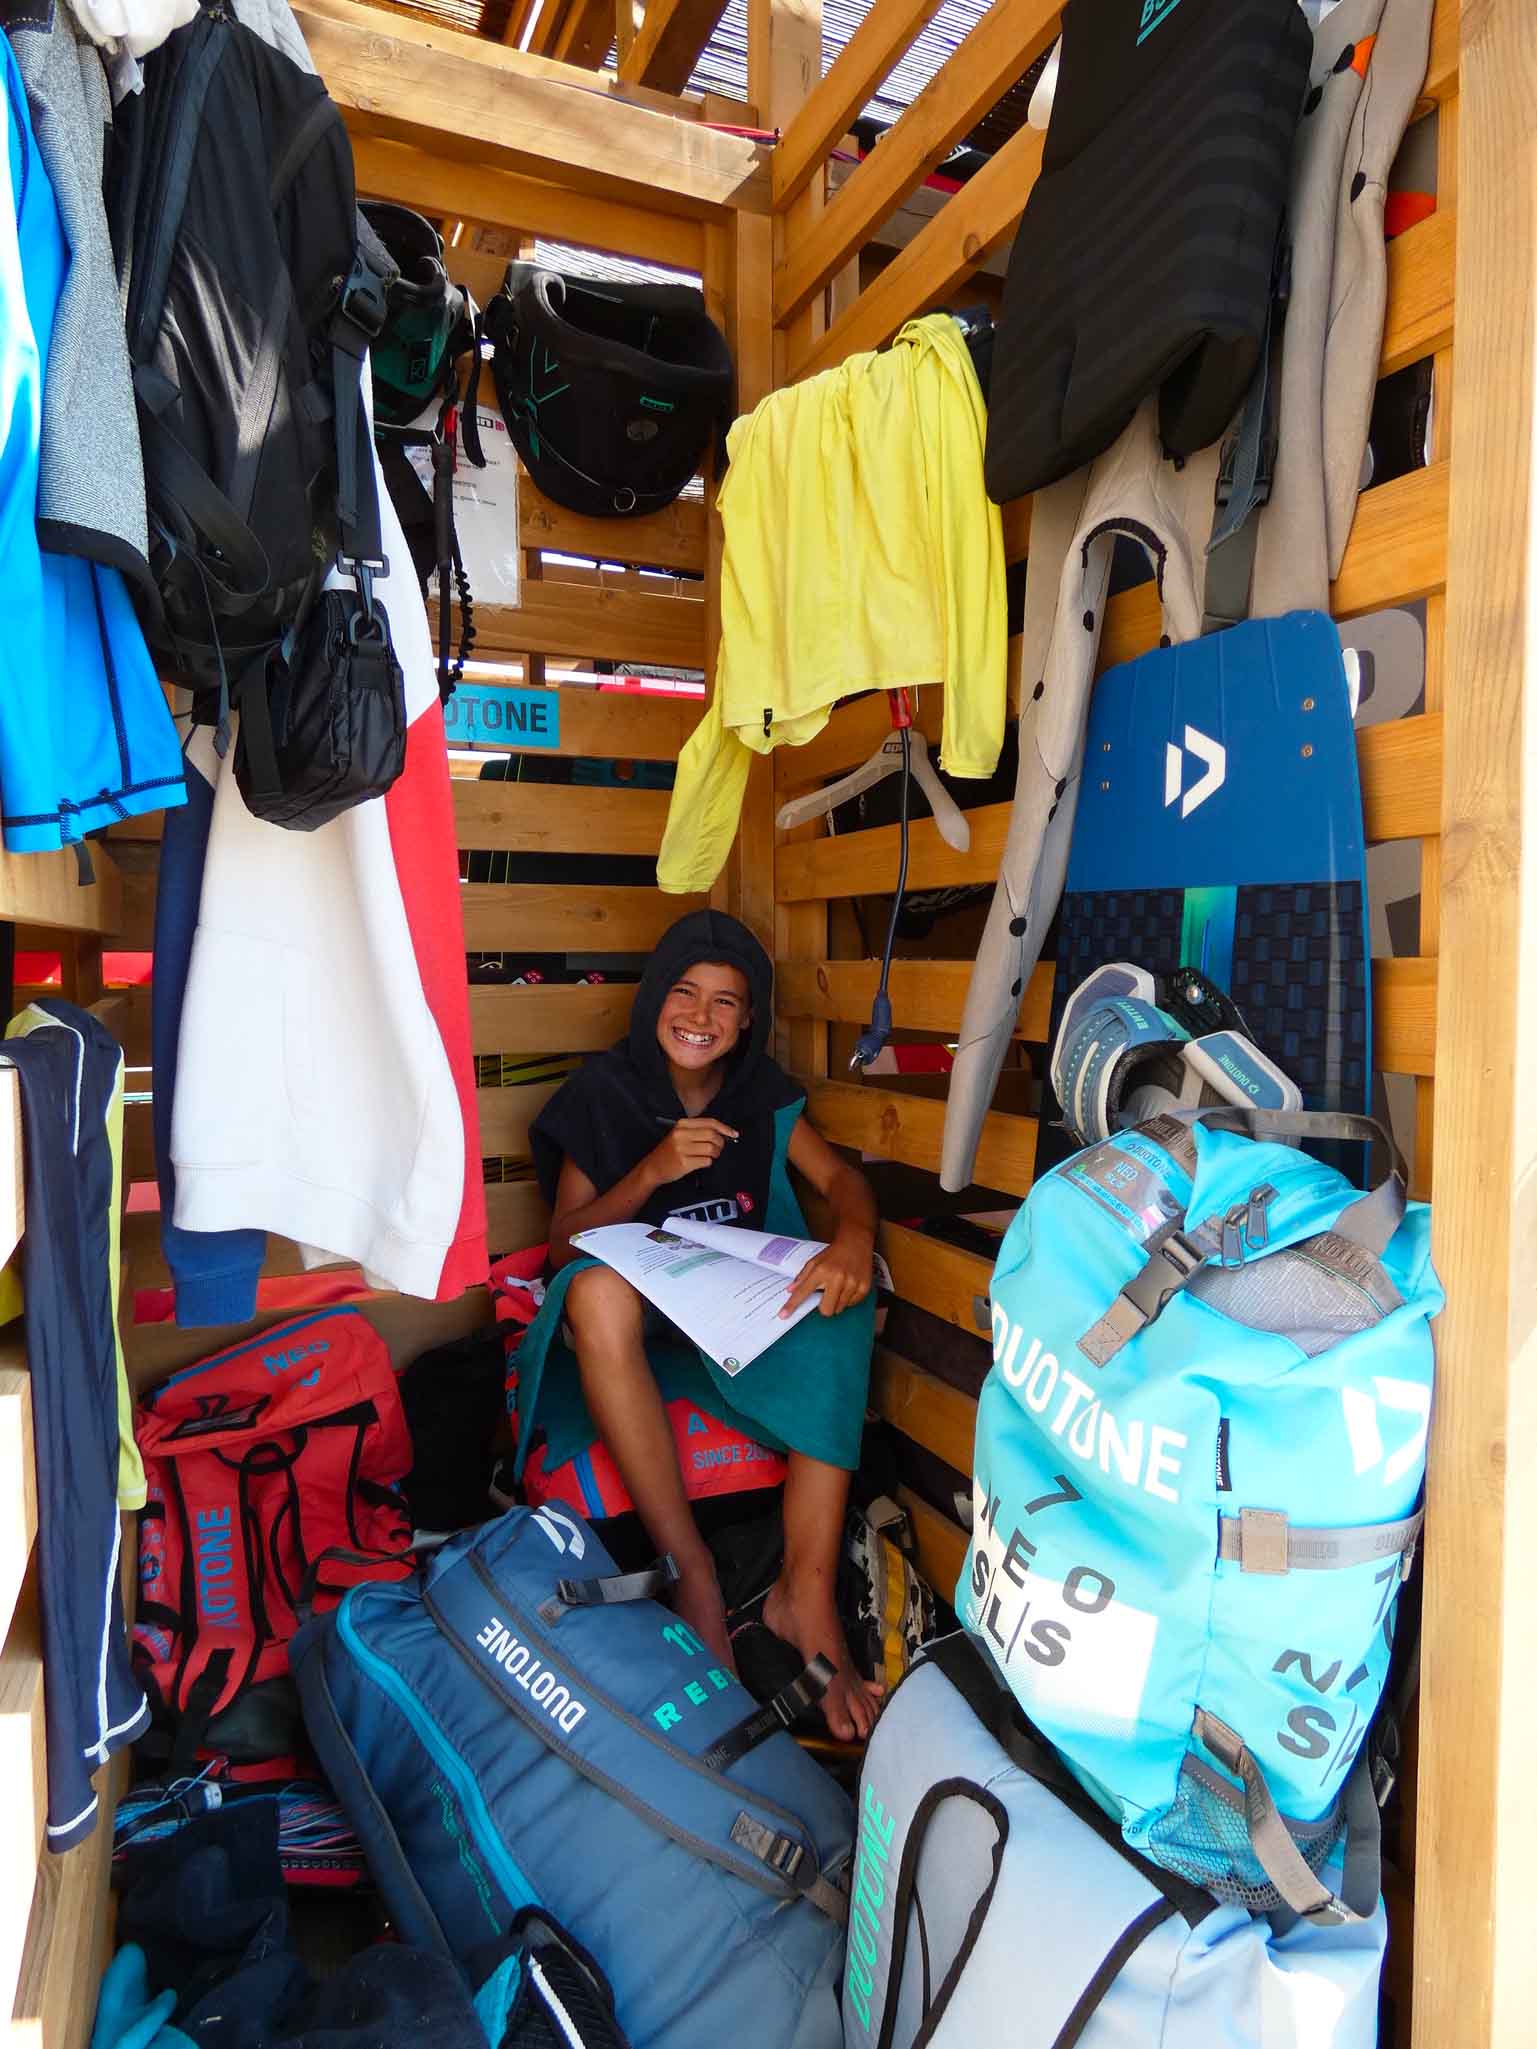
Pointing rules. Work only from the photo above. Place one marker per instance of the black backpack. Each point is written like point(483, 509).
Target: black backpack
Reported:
point(247, 327)
point(611, 392)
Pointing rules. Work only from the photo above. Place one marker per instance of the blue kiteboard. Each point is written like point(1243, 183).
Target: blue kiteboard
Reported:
point(1219, 826)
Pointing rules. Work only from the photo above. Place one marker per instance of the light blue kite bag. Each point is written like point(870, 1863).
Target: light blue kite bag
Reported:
point(1199, 1458)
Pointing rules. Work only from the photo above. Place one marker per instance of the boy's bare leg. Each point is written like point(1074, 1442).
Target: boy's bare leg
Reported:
point(802, 1604)
point(606, 1317)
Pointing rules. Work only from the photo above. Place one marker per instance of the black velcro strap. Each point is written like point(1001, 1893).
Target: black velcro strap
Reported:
point(610, 1590)
point(192, 1724)
point(779, 1713)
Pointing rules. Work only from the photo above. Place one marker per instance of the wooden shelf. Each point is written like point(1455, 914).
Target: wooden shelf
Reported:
point(69, 1934)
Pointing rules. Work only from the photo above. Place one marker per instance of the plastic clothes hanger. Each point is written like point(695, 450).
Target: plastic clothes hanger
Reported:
point(885, 761)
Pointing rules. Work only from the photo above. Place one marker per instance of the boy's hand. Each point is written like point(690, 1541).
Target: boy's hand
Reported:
point(693, 1142)
point(845, 1273)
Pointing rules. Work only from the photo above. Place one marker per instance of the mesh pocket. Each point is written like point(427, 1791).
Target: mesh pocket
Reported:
point(1205, 1838)
point(1299, 1296)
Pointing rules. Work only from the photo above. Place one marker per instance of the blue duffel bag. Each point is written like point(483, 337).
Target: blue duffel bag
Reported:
point(522, 1726)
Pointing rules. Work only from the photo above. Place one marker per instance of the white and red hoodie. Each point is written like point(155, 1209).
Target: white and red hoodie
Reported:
point(313, 1073)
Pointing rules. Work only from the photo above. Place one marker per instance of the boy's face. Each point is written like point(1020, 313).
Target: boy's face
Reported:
point(703, 1015)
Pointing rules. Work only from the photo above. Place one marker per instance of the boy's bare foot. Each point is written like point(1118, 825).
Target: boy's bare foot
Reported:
point(807, 1616)
point(697, 1601)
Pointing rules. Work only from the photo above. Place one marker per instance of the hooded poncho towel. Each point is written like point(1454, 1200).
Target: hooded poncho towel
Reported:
point(807, 1393)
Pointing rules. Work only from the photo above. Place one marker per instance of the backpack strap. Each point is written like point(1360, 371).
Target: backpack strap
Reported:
point(776, 1714)
point(610, 1589)
point(1263, 1540)
point(358, 321)
point(1247, 472)
point(1278, 1856)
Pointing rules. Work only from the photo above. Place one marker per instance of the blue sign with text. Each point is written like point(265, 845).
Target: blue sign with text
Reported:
point(485, 715)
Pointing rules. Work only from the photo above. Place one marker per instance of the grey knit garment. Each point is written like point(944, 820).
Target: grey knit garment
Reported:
point(90, 498)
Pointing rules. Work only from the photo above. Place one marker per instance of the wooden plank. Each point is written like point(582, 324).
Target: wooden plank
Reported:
point(1476, 1892)
point(45, 889)
point(607, 725)
point(882, 36)
point(482, 104)
point(435, 33)
point(135, 931)
point(586, 33)
point(505, 1117)
point(517, 1216)
point(1400, 766)
point(541, 917)
point(941, 1543)
point(960, 238)
point(598, 625)
point(668, 44)
point(69, 1934)
point(909, 1129)
point(999, 50)
point(670, 539)
point(1420, 266)
point(549, 818)
point(18, 1483)
point(926, 995)
point(508, 199)
point(930, 995)
point(580, 1019)
point(408, 1325)
point(926, 1409)
point(1445, 34)
point(1396, 553)
point(941, 1278)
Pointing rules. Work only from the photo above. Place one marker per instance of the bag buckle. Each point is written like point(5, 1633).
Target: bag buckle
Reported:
point(363, 569)
point(365, 301)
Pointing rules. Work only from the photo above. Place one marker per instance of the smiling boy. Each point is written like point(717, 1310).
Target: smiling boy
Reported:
point(690, 1116)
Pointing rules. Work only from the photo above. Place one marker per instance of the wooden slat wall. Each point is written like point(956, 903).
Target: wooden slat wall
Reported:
point(1398, 554)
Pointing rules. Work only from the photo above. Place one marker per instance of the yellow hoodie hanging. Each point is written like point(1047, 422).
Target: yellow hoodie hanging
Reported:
point(861, 553)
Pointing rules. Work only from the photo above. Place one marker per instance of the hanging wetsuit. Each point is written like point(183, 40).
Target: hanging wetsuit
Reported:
point(807, 1392)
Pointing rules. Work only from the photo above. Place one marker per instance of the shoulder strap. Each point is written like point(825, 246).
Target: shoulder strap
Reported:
point(1248, 469)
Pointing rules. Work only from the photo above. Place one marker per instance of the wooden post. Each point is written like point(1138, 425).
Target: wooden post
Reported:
point(1475, 1964)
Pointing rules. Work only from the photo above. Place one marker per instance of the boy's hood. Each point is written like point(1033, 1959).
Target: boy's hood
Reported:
point(701, 936)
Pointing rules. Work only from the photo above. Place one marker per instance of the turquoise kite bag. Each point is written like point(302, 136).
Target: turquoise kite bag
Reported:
point(1199, 1460)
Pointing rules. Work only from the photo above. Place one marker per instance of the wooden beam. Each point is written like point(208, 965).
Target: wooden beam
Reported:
point(437, 34)
point(940, 1278)
point(1421, 263)
point(45, 889)
point(517, 1216)
point(998, 51)
point(672, 539)
point(960, 238)
point(928, 1410)
point(487, 107)
point(1445, 36)
point(668, 45)
point(909, 1128)
point(536, 917)
point(586, 34)
point(609, 725)
point(1395, 762)
point(508, 199)
point(1396, 553)
point(18, 1487)
point(505, 1118)
point(1476, 1892)
point(926, 995)
point(546, 818)
point(596, 624)
point(930, 995)
point(941, 1543)
point(580, 1019)
point(877, 43)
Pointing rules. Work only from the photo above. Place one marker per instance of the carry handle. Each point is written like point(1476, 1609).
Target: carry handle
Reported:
point(610, 1589)
point(1370, 1222)
point(1278, 1856)
point(340, 1554)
